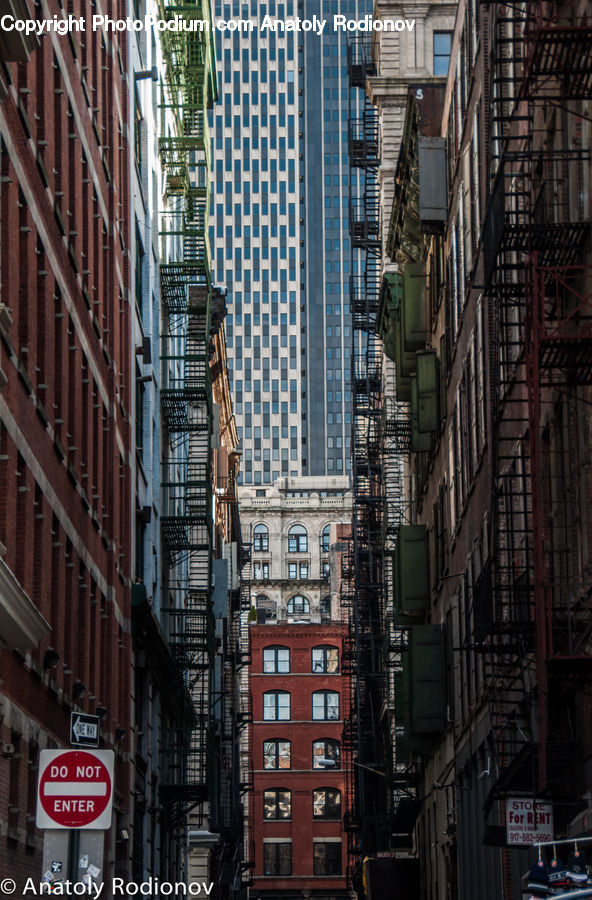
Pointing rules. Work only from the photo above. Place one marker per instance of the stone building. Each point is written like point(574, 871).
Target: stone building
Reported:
point(300, 695)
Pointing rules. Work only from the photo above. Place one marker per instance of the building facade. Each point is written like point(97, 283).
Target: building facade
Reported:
point(256, 216)
point(120, 578)
point(299, 701)
point(280, 212)
point(65, 431)
point(300, 695)
point(387, 65)
point(491, 574)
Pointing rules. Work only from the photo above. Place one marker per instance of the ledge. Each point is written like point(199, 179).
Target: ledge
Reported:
point(21, 624)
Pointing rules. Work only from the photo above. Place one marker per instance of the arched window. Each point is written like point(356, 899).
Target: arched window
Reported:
point(325, 659)
point(298, 605)
point(277, 754)
point(325, 536)
point(325, 705)
point(326, 803)
point(260, 538)
point(276, 660)
point(276, 706)
point(326, 754)
point(277, 804)
point(297, 539)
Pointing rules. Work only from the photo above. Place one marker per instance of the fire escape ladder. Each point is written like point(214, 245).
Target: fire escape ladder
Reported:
point(186, 410)
point(534, 614)
point(244, 716)
point(365, 735)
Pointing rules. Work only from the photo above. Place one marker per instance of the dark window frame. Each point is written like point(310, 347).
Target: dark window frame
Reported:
point(273, 864)
point(325, 862)
point(298, 612)
point(277, 755)
point(331, 806)
point(330, 744)
point(261, 538)
point(274, 649)
point(441, 56)
point(277, 792)
point(326, 695)
point(277, 694)
point(324, 648)
point(297, 539)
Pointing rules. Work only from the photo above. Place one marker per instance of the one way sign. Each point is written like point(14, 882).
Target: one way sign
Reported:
point(84, 730)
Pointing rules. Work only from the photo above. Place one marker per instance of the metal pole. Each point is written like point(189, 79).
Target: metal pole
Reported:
point(73, 854)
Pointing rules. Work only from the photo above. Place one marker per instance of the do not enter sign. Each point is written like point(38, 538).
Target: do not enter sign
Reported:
point(75, 789)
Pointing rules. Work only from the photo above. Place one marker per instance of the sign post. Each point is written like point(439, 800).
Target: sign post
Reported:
point(74, 806)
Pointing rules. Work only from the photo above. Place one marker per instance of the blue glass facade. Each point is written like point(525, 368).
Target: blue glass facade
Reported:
point(280, 236)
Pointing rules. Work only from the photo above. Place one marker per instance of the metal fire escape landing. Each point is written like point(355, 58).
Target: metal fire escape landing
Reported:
point(536, 612)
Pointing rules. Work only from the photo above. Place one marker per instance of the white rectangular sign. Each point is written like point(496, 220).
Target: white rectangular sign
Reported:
point(528, 821)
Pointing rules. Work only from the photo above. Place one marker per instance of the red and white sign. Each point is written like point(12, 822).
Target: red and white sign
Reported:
point(528, 821)
point(75, 789)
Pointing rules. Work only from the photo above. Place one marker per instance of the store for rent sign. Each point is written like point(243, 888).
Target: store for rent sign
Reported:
point(528, 821)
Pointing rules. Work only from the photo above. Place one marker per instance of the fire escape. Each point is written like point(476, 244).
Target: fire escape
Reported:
point(245, 716)
point(533, 603)
point(186, 406)
point(365, 734)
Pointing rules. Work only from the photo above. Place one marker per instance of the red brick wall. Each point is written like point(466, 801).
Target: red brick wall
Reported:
point(301, 779)
point(65, 433)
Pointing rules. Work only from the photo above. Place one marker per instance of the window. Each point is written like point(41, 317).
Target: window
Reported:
point(325, 705)
point(298, 605)
point(138, 119)
point(277, 754)
point(297, 539)
point(325, 535)
point(261, 571)
point(276, 659)
point(296, 570)
point(277, 804)
point(326, 608)
point(442, 47)
point(326, 803)
point(325, 659)
point(277, 857)
point(326, 571)
point(260, 538)
point(326, 754)
point(276, 706)
point(327, 857)
point(139, 270)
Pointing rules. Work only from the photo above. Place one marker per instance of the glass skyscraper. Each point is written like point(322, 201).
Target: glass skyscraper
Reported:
point(280, 236)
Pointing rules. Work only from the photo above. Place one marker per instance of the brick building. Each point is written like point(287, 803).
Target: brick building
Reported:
point(486, 314)
point(65, 434)
point(300, 696)
point(299, 703)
